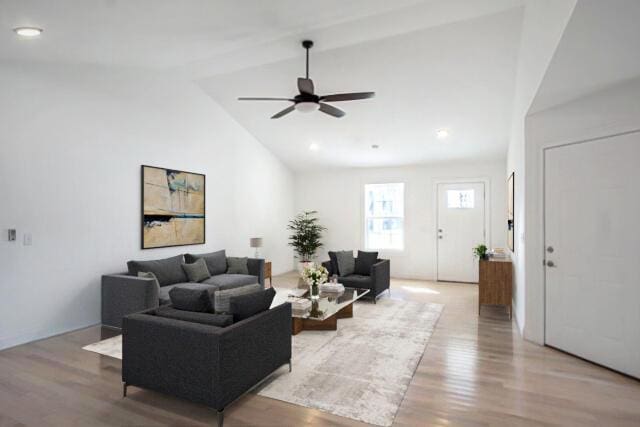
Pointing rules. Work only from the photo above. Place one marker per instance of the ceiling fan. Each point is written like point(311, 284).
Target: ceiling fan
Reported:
point(307, 101)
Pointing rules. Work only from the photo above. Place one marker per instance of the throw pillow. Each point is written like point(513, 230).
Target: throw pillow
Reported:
point(346, 263)
point(222, 298)
point(192, 297)
point(150, 275)
point(216, 261)
point(245, 306)
point(364, 262)
point(237, 265)
point(198, 271)
point(334, 262)
point(168, 271)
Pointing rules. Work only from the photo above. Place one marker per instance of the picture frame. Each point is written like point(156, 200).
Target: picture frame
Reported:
point(173, 207)
point(511, 211)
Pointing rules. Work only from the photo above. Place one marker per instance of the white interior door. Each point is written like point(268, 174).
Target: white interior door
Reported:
point(592, 243)
point(461, 227)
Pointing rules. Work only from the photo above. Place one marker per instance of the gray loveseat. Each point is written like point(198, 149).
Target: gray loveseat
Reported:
point(126, 293)
point(203, 363)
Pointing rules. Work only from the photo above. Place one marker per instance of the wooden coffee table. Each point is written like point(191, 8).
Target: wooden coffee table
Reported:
point(325, 311)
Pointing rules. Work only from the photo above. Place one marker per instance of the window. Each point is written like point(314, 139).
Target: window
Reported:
point(460, 199)
point(384, 216)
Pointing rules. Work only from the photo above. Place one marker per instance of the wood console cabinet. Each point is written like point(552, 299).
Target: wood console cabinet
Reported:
point(495, 283)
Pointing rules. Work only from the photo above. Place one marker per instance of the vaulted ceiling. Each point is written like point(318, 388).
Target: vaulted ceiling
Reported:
point(432, 63)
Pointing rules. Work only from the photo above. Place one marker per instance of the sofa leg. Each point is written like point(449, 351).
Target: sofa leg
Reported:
point(124, 390)
point(220, 418)
point(289, 365)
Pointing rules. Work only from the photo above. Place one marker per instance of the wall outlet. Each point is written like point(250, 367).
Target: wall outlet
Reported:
point(27, 239)
point(12, 234)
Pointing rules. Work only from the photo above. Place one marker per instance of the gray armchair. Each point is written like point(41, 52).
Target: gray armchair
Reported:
point(378, 280)
point(202, 363)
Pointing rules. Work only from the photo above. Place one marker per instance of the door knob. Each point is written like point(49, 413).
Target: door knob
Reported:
point(439, 237)
point(439, 230)
point(550, 264)
point(550, 249)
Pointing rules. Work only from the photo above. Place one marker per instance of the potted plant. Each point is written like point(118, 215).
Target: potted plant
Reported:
point(480, 252)
point(305, 237)
point(315, 275)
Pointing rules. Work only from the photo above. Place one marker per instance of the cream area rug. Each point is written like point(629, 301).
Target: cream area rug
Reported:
point(361, 371)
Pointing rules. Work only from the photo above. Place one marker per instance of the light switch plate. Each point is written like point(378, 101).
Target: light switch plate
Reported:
point(27, 239)
point(12, 234)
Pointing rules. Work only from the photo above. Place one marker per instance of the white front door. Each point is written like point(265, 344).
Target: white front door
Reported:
point(461, 227)
point(592, 244)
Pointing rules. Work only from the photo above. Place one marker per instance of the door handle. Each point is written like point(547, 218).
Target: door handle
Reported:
point(439, 237)
point(550, 264)
point(550, 249)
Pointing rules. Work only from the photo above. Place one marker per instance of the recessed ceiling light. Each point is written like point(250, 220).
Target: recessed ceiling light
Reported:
point(442, 133)
point(375, 146)
point(28, 31)
point(314, 147)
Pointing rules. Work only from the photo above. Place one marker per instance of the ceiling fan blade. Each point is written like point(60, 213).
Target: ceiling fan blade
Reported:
point(331, 110)
point(265, 99)
point(283, 112)
point(347, 96)
point(305, 85)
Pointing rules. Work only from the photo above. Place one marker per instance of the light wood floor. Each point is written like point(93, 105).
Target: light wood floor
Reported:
point(475, 372)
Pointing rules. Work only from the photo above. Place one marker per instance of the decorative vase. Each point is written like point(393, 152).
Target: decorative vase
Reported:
point(315, 291)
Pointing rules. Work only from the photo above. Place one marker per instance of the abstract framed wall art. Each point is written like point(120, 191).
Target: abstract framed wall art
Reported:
point(510, 211)
point(173, 207)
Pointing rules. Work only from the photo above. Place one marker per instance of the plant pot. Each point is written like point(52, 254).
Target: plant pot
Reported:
point(303, 264)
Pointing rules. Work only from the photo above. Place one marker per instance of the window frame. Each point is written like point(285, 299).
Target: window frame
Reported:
point(365, 217)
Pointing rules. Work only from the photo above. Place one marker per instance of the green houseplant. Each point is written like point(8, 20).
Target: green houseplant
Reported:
point(480, 251)
point(306, 235)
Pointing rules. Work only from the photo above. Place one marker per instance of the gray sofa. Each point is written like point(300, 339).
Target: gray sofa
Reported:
point(126, 293)
point(202, 363)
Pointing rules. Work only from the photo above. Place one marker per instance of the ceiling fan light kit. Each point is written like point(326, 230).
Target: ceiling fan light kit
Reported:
point(307, 101)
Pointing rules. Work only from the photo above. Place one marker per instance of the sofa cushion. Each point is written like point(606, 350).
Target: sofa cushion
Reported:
point(197, 271)
point(237, 265)
point(220, 320)
point(346, 262)
point(228, 281)
point(244, 306)
point(364, 262)
point(168, 270)
point(357, 281)
point(216, 261)
point(192, 297)
point(222, 297)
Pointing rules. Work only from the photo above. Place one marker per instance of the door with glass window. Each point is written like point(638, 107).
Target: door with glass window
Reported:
point(460, 227)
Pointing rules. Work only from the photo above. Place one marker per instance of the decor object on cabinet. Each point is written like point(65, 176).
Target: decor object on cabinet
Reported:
point(480, 252)
point(173, 208)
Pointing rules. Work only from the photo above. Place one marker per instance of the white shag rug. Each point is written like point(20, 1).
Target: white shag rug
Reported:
point(361, 371)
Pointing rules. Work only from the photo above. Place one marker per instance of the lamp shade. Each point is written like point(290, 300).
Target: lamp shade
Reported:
point(255, 242)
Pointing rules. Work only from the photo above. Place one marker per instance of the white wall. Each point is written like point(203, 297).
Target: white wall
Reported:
point(337, 195)
point(72, 139)
point(542, 28)
point(609, 112)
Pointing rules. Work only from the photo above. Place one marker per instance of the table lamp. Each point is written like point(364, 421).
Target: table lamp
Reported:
point(256, 242)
